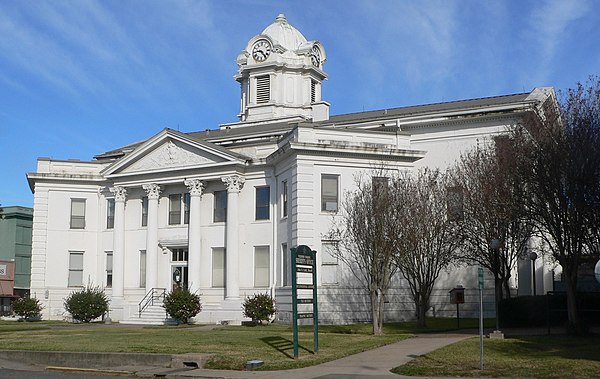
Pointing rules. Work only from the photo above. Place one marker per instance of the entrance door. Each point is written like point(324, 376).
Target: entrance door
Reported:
point(179, 269)
point(179, 276)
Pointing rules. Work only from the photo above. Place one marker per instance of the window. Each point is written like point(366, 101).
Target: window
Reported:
point(75, 269)
point(218, 267)
point(142, 268)
point(286, 267)
point(179, 255)
point(77, 213)
point(186, 208)
point(109, 268)
point(175, 209)
point(329, 193)
point(329, 263)
point(284, 198)
point(261, 266)
point(220, 210)
point(263, 89)
point(110, 213)
point(263, 195)
point(145, 211)
point(313, 91)
point(454, 203)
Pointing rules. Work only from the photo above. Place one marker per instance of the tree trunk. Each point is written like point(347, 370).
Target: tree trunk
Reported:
point(498, 297)
point(377, 311)
point(422, 308)
point(575, 326)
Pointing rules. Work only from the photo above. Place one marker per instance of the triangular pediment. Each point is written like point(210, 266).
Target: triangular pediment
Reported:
point(172, 151)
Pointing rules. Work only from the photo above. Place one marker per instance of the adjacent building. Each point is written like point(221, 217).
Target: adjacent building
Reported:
point(15, 253)
point(218, 210)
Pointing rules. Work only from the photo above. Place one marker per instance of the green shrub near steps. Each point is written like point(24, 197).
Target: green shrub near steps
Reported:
point(182, 305)
point(87, 304)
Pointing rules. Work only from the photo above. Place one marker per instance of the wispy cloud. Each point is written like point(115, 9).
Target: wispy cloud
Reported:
point(549, 28)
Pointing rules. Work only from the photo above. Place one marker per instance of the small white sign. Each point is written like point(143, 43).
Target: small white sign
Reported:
point(597, 271)
point(3, 271)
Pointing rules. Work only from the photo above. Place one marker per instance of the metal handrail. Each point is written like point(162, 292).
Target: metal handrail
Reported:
point(148, 299)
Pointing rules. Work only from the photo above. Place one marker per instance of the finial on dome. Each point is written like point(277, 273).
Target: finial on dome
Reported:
point(281, 18)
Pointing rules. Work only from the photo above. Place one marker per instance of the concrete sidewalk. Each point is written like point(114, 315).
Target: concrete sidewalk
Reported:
point(375, 363)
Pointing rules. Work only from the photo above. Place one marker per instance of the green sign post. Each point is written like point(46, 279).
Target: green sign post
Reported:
point(304, 261)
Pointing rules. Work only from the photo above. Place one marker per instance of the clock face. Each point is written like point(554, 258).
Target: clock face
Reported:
point(315, 56)
point(261, 50)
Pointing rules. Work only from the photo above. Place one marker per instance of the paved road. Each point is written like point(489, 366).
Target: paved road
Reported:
point(21, 374)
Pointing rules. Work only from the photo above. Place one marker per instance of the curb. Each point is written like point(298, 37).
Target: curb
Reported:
point(88, 370)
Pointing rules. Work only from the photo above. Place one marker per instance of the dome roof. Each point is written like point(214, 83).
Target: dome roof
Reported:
point(284, 34)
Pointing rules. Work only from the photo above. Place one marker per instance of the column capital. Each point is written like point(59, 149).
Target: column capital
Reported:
point(119, 192)
point(195, 186)
point(152, 190)
point(234, 183)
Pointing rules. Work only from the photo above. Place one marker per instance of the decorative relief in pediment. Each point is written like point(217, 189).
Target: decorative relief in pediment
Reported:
point(171, 155)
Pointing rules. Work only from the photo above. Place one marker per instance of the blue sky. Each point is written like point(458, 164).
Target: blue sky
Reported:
point(81, 77)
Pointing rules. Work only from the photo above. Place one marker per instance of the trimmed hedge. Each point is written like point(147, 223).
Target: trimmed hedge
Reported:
point(530, 311)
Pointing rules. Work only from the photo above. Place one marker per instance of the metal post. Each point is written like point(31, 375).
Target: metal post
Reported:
point(294, 303)
point(480, 274)
point(315, 307)
point(457, 317)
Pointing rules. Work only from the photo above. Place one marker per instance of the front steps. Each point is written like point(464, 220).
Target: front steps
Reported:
point(152, 315)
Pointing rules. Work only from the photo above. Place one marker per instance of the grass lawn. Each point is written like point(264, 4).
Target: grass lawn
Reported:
point(538, 357)
point(232, 346)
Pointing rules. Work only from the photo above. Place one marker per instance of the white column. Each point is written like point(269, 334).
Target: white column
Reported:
point(234, 184)
point(118, 242)
point(153, 192)
point(195, 187)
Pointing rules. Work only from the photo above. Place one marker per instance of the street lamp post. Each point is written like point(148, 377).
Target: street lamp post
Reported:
point(533, 256)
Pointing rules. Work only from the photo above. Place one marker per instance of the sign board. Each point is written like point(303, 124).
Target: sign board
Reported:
point(457, 295)
point(597, 271)
point(480, 277)
point(304, 263)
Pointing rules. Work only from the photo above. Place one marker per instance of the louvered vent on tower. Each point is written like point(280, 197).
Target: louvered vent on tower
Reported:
point(263, 89)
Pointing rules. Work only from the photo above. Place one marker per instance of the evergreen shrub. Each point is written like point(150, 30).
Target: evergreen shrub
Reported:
point(87, 304)
point(29, 308)
point(182, 305)
point(260, 307)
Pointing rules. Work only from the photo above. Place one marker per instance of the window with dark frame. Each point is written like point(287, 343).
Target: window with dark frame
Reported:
point(186, 208)
point(109, 268)
point(179, 255)
point(263, 196)
point(77, 214)
point(218, 267)
point(145, 211)
point(220, 206)
point(175, 209)
point(142, 268)
point(75, 278)
point(261, 266)
point(329, 193)
point(110, 213)
point(284, 198)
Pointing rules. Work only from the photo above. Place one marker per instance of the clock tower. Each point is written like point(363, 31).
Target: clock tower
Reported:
point(280, 74)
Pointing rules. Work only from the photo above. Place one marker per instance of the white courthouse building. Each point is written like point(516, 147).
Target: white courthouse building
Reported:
point(223, 207)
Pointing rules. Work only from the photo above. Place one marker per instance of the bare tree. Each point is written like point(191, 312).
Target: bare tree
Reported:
point(367, 230)
point(429, 242)
point(490, 191)
point(561, 168)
